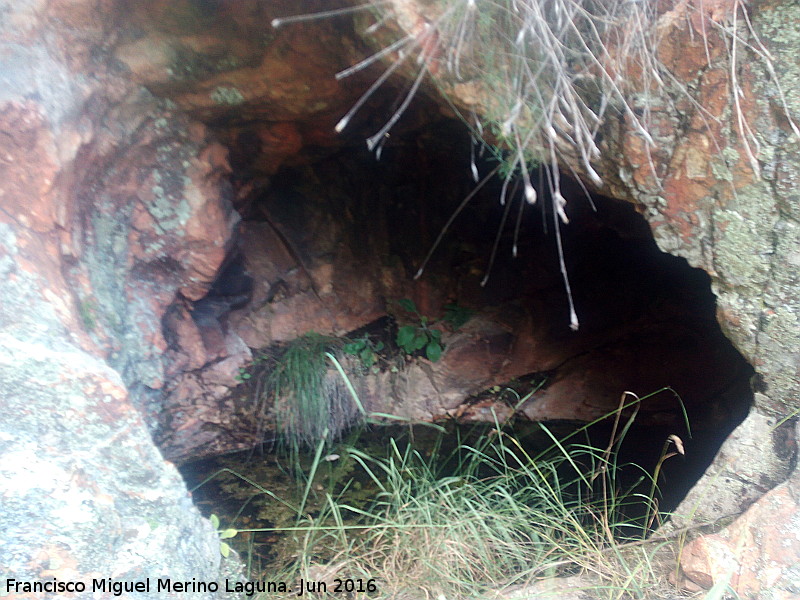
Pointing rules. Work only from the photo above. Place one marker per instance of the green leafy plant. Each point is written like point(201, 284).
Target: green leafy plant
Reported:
point(224, 534)
point(420, 335)
point(243, 375)
point(365, 349)
point(456, 315)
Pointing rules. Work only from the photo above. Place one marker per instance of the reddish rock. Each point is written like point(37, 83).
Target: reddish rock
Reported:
point(473, 360)
point(148, 59)
point(279, 141)
point(28, 167)
point(758, 560)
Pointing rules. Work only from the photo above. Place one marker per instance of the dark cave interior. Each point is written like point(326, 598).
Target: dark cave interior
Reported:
point(332, 236)
point(647, 318)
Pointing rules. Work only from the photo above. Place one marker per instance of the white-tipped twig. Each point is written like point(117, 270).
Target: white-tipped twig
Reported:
point(326, 14)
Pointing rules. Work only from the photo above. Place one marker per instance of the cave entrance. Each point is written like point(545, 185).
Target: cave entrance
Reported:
point(333, 240)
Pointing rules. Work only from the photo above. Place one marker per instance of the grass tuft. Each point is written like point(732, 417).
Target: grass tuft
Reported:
point(312, 402)
point(468, 515)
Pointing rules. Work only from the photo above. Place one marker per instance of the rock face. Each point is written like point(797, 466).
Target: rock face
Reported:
point(86, 495)
point(134, 135)
point(741, 226)
point(758, 553)
point(103, 194)
point(757, 560)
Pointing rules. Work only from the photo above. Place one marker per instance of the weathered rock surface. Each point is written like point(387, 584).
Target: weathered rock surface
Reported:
point(757, 559)
point(743, 229)
point(93, 172)
point(116, 216)
point(86, 495)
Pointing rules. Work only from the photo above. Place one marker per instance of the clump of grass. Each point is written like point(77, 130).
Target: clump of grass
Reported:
point(311, 402)
point(476, 519)
point(548, 63)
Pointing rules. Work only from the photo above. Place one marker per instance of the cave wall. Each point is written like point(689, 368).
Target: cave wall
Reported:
point(739, 222)
point(104, 193)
